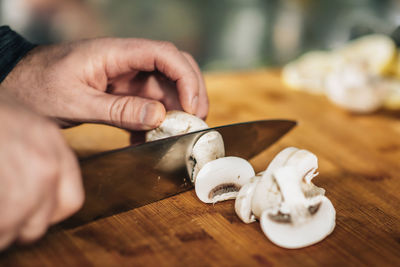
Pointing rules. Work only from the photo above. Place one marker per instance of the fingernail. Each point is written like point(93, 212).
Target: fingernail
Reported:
point(195, 103)
point(149, 115)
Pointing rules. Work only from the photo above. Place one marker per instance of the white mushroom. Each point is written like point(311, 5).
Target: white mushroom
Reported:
point(308, 72)
point(267, 194)
point(176, 122)
point(244, 198)
point(221, 179)
point(210, 146)
point(354, 89)
point(299, 221)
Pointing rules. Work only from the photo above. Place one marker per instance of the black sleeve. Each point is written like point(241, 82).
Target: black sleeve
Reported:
point(13, 48)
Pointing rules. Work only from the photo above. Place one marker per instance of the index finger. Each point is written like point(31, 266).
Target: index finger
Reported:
point(125, 55)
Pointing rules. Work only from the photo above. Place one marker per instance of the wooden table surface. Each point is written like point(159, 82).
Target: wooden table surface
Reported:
point(359, 165)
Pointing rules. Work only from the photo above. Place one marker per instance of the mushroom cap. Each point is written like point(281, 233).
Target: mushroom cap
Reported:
point(290, 235)
point(244, 198)
point(176, 122)
point(221, 179)
point(209, 146)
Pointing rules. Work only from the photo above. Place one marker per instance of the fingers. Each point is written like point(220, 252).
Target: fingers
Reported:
point(61, 193)
point(128, 112)
point(37, 224)
point(125, 55)
point(70, 192)
point(202, 109)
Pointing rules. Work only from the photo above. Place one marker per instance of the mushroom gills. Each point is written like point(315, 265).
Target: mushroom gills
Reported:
point(222, 178)
point(224, 189)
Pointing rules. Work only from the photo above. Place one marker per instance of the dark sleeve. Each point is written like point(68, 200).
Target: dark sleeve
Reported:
point(13, 48)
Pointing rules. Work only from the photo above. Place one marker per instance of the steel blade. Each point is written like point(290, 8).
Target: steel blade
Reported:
point(123, 179)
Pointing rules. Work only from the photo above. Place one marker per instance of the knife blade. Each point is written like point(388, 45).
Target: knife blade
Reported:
point(127, 178)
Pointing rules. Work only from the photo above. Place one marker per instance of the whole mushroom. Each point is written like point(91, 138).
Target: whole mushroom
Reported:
point(208, 147)
point(176, 122)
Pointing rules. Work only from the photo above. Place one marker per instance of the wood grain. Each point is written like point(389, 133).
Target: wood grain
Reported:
point(359, 159)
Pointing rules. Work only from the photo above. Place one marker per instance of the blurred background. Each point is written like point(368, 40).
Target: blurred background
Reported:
point(221, 35)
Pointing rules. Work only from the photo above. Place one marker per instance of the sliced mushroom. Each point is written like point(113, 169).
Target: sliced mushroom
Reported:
point(299, 221)
point(210, 146)
point(221, 179)
point(244, 198)
point(267, 194)
point(306, 163)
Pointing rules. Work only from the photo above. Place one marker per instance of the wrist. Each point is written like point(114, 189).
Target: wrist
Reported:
point(13, 48)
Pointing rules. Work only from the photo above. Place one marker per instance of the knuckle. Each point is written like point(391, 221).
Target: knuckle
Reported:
point(72, 205)
point(166, 45)
point(118, 110)
point(46, 168)
point(77, 203)
point(188, 56)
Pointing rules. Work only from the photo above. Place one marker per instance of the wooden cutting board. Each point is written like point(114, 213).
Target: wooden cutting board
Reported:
point(359, 159)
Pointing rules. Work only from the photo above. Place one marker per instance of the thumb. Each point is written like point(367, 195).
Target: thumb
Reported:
point(128, 112)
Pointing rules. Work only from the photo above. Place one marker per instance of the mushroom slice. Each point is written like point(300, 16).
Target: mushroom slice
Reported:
point(299, 221)
point(306, 164)
point(244, 198)
point(267, 195)
point(210, 146)
point(176, 122)
point(221, 179)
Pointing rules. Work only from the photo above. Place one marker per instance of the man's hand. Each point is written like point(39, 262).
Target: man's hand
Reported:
point(40, 181)
point(123, 82)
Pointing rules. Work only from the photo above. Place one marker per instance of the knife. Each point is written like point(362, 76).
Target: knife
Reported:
point(123, 179)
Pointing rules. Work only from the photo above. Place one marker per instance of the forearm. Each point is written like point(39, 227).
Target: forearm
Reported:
point(13, 48)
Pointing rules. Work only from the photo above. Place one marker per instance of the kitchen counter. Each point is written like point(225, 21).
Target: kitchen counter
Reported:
point(359, 166)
